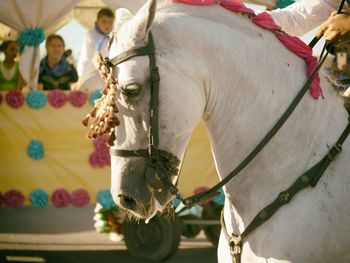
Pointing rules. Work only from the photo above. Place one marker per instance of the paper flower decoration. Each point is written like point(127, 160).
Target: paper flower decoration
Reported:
point(77, 98)
point(219, 199)
point(176, 201)
point(31, 37)
point(100, 157)
point(39, 198)
point(80, 198)
point(104, 197)
point(2, 199)
point(14, 198)
point(101, 142)
point(94, 96)
point(61, 198)
point(57, 98)
point(284, 3)
point(15, 98)
point(201, 190)
point(35, 150)
point(36, 99)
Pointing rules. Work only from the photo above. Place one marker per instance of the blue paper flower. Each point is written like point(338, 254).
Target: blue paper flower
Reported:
point(219, 199)
point(31, 37)
point(35, 150)
point(94, 96)
point(39, 198)
point(176, 202)
point(104, 197)
point(36, 99)
point(284, 3)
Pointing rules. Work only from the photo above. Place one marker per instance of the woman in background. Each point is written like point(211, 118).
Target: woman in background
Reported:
point(55, 71)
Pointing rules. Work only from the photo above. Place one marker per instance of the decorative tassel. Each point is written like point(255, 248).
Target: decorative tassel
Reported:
point(111, 138)
point(104, 114)
point(85, 121)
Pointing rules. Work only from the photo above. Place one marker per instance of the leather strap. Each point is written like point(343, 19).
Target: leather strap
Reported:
point(309, 178)
point(195, 199)
point(143, 51)
point(145, 154)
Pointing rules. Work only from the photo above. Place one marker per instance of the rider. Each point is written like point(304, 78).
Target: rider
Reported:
point(300, 17)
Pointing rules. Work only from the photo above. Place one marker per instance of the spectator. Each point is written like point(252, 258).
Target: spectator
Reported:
point(10, 76)
point(55, 71)
point(95, 41)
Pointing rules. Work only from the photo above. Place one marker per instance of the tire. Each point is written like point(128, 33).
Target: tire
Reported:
point(189, 231)
point(212, 232)
point(156, 241)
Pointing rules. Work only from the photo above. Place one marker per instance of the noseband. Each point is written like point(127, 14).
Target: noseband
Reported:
point(162, 166)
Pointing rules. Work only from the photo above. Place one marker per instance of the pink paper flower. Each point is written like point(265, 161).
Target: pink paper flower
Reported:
point(77, 98)
point(14, 198)
point(100, 157)
point(15, 98)
point(105, 157)
point(2, 199)
point(80, 198)
point(61, 198)
point(201, 190)
point(101, 142)
point(93, 159)
point(57, 98)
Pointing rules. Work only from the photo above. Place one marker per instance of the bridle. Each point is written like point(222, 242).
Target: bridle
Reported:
point(162, 166)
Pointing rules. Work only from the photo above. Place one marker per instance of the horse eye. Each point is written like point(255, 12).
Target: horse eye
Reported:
point(131, 90)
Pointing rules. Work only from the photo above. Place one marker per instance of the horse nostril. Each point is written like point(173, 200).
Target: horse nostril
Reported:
point(126, 202)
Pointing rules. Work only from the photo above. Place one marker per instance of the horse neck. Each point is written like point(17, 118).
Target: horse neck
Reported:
point(239, 67)
point(248, 80)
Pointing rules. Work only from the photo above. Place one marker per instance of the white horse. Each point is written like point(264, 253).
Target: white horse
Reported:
point(217, 65)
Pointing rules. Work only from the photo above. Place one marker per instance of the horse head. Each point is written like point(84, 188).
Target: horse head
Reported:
point(150, 141)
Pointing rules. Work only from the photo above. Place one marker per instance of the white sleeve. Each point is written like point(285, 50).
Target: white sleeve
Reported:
point(87, 54)
point(303, 16)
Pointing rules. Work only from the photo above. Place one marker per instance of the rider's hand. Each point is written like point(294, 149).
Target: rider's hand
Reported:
point(336, 29)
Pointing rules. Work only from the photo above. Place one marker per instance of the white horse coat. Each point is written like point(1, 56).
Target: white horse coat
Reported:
point(219, 66)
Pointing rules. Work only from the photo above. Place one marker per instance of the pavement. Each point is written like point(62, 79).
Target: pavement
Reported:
point(65, 235)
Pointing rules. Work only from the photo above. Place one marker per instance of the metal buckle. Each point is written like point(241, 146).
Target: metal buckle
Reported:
point(235, 245)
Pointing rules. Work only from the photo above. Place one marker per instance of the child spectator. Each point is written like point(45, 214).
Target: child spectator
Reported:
point(95, 41)
point(55, 71)
point(10, 77)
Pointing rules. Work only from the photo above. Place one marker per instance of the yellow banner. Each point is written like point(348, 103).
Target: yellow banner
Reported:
point(66, 152)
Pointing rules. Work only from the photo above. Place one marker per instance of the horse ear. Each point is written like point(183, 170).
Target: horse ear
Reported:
point(143, 20)
point(122, 15)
